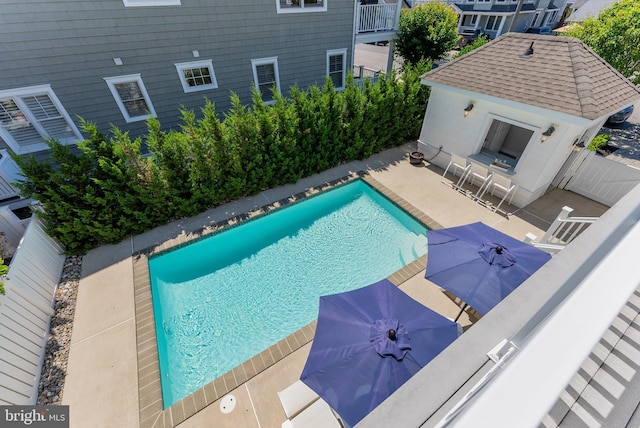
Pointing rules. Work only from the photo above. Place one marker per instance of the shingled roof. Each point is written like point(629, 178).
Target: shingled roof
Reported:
point(562, 74)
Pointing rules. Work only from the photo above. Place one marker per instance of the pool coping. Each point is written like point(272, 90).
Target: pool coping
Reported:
point(151, 411)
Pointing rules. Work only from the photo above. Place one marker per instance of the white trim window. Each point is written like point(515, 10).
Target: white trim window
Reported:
point(550, 17)
point(31, 116)
point(469, 20)
point(131, 96)
point(197, 75)
point(536, 16)
point(142, 3)
point(493, 22)
point(266, 77)
point(297, 6)
point(337, 67)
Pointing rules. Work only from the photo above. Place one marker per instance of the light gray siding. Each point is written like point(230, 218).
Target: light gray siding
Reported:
point(70, 44)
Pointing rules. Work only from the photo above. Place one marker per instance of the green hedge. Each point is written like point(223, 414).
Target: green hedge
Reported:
point(107, 190)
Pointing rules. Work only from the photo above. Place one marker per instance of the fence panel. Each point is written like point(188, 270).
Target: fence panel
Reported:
point(25, 313)
point(603, 180)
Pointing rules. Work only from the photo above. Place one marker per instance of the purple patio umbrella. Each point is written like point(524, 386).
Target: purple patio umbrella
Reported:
point(479, 264)
point(368, 342)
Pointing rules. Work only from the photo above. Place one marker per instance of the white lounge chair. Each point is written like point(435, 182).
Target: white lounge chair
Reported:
point(296, 397)
point(317, 415)
point(305, 409)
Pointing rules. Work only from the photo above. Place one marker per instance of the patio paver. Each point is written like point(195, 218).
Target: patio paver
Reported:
point(102, 382)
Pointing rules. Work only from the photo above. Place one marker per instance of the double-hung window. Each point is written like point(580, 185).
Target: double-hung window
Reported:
point(297, 6)
point(336, 67)
point(550, 17)
point(131, 97)
point(469, 20)
point(266, 77)
point(31, 116)
point(536, 16)
point(197, 75)
point(493, 22)
point(139, 3)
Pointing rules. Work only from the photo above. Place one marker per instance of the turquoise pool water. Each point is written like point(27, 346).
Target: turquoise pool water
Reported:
point(221, 300)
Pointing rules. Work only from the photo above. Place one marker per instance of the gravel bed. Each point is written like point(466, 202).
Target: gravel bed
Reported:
point(54, 368)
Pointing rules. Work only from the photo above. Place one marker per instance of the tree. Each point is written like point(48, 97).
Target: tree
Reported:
point(426, 32)
point(615, 36)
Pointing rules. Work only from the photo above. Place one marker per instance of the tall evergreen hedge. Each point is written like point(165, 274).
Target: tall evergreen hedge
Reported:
point(108, 189)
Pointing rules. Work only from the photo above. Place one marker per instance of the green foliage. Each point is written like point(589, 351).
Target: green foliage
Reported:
point(427, 31)
point(615, 36)
point(106, 189)
point(598, 142)
point(481, 40)
point(4, 269)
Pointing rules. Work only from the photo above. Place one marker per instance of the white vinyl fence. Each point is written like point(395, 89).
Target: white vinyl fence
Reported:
point(25, 313)
point(603, 180)
point(9, 173)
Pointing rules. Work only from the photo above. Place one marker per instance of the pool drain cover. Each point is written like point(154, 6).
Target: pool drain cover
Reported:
point(227, 403)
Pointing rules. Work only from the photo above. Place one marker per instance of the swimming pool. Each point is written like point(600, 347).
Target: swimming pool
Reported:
point(223, 299)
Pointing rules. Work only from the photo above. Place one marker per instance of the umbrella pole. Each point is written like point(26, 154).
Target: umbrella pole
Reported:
point(461, 311)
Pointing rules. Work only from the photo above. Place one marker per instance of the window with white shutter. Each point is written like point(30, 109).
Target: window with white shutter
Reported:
point(31, 116)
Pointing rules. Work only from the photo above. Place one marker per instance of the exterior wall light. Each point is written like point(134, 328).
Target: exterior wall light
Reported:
point(546, 134)
point(468, 109)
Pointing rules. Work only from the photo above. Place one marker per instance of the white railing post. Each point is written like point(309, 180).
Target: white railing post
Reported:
point(556, 224)
point(397, 15)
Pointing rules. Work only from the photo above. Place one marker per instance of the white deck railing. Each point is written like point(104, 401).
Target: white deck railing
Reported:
point(529, 378)
point(376, 17)
point(561, 232)
point(25, 313)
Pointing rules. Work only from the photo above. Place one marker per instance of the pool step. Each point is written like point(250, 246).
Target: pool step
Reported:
point(420, 245)
point(412, 247)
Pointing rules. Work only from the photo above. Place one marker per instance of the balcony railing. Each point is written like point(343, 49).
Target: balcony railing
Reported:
point(360, 73)
point(376, 17)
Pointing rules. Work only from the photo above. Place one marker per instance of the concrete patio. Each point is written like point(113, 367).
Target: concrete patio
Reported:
point(102, 384)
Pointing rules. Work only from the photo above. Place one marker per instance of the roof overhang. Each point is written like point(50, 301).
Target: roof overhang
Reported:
point(557, 115)
point(496, 9)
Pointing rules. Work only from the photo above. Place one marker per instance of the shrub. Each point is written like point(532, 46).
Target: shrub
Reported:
point(480, 41)
point(107, 189)
point(598, 142)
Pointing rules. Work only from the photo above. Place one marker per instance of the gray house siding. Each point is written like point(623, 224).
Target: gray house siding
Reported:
point(71, 45)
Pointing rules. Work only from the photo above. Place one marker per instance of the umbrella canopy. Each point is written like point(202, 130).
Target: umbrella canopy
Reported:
point(479, 264)
point(368, 342)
